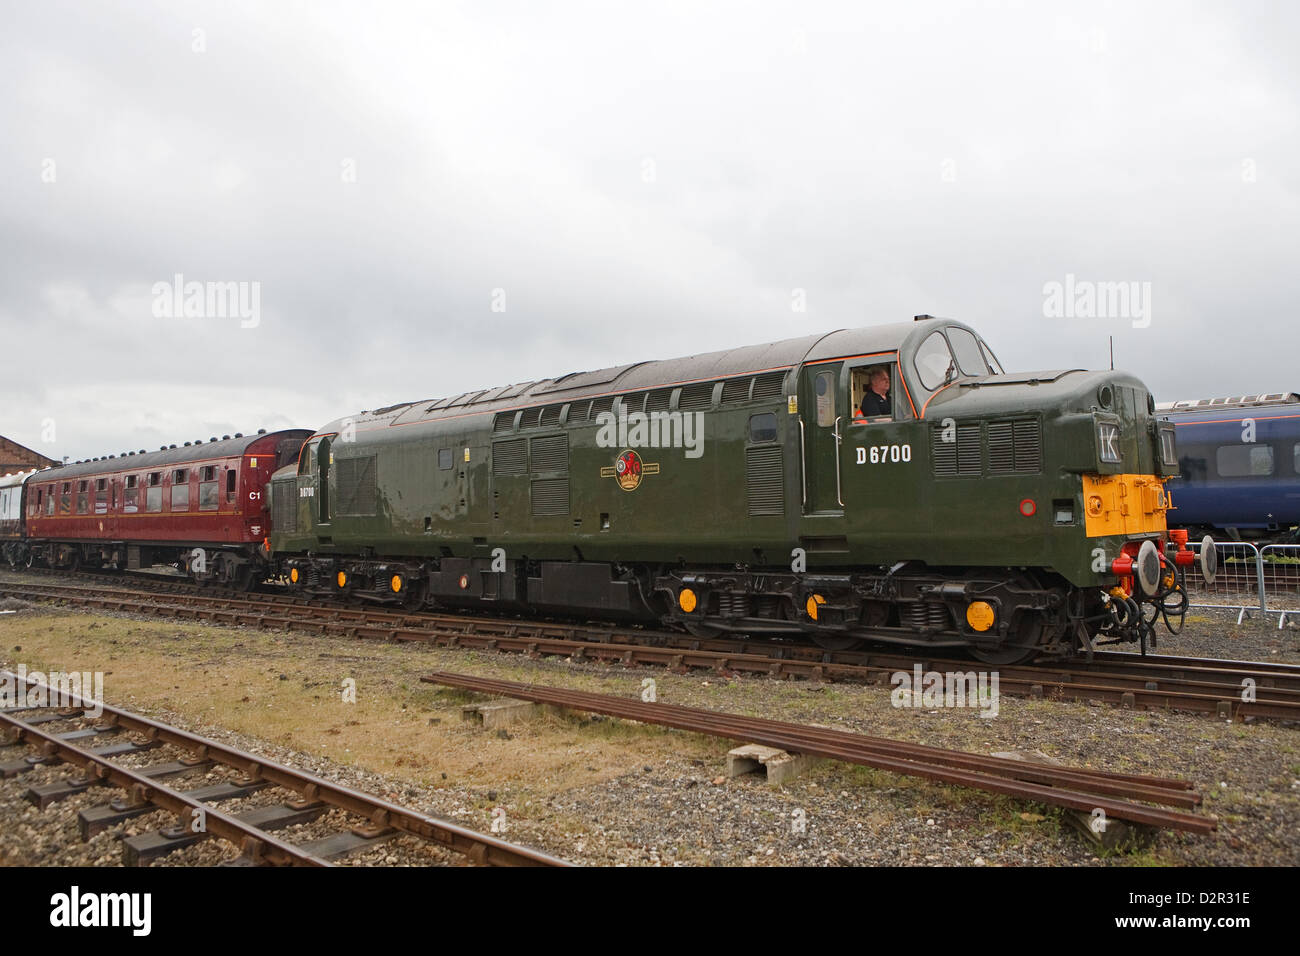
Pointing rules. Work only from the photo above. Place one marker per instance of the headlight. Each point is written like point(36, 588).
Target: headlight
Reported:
point(1108, 443)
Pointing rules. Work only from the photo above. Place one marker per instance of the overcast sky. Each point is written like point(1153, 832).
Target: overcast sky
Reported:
point(628, 181)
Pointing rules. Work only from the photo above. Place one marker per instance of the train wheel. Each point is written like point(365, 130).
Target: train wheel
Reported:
point(836, 642)
point(413, 597)
point(1026, 643)
point(703, 630)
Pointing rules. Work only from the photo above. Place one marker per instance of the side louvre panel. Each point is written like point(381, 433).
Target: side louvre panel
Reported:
point(550, 496)
point(1015, 447)
point(550, 455)
point(765, 480)
point(958, 457)
point(357, 481)
point(284, 506)
point(510, 457)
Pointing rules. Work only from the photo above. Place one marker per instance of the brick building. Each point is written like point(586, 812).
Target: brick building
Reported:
point(14, 457)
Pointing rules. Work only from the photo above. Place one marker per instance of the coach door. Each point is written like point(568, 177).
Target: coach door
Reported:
point(821, 428)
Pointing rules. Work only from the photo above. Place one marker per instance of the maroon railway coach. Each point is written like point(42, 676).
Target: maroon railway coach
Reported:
point(148, 508)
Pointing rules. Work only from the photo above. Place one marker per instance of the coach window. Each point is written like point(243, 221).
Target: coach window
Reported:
point(444, 459)
point(232, 475)
point(131, 496)
point(101, 496)
point(209, 495)
point(153, 493)
point(181, 489)
point(1244, 461)
point(49, 500)
point(83, 497)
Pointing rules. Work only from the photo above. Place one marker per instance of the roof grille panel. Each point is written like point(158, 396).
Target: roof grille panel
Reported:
point(659, 400)
point(735, 390)
point(696, 396)
point(769, 385)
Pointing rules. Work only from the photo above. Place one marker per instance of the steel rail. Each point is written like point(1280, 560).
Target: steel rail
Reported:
point(477, 846)
point(771, 733)
point(1179, 692)
point(255, 843)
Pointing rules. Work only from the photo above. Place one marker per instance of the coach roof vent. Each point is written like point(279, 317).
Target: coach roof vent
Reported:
point(239, 434)
point(921, 318)
point(261, 431)
point(224, 438)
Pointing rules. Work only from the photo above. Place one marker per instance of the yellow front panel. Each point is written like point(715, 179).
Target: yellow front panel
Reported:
point(1124, 504)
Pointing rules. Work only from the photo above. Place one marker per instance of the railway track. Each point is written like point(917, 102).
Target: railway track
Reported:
point(1118, 796)
point(1227, 689)
point(251, 832)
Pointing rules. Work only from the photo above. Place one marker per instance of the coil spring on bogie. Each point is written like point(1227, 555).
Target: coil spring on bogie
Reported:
point(733, 605)
point(923, 615)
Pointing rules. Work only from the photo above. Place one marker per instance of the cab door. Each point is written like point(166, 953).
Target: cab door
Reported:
point(324, 461)
point(821, 420)
point(883, 460)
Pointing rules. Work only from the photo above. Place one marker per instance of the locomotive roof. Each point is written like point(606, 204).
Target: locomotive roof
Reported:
point(706, 367)
point(181, 454)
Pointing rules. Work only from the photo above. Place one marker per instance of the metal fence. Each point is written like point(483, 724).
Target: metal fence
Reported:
point(1263, 579)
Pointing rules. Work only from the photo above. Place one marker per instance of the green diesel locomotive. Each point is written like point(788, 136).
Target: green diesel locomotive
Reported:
point(888, 484)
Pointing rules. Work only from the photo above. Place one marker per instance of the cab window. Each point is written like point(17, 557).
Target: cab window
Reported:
point(935, 366)
point(307, 460)
point(967, 349)
point(824, 388)
point(991, 359)
point(873, 392)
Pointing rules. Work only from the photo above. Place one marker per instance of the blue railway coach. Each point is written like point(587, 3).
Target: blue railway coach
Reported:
point(1240, 464)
